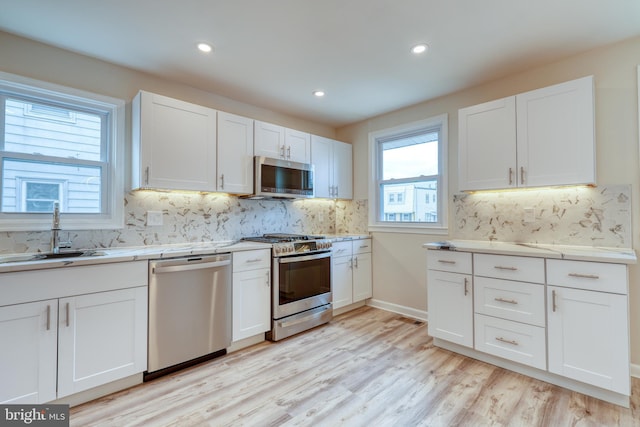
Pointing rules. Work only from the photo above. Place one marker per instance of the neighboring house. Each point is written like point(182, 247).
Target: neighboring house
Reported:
point(50, 155)
point(411, 202)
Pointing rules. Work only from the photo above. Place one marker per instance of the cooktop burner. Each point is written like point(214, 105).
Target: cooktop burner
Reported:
point(282, 237)
point(285, 244)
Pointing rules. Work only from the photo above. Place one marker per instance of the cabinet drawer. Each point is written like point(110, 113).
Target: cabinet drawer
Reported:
point(343, 248)
point(519, 301)
point(523, 269)
point(511, 340)
point(362, 246)
point(455, 262)
point(593, 276)
point(251, 260)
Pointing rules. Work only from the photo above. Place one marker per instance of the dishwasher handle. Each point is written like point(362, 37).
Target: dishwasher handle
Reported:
point(186, 267)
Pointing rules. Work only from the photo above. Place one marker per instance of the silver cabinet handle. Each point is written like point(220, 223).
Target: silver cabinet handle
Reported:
point(512, 342)
point(222, 181)
point(68, 319)
point(289, 152)
point(553, 301)
point(146, 176)
point(268, 281)
point(510, 176)
point(521, 174)
point(351, 263)
point(500, 267)
point(508, 301)
point(584, 276)
point(364, 246)
point(48, 317)
point(282, 151)
point(252, 260)
point(466, 290)
point(446, 261)
point(356, 261)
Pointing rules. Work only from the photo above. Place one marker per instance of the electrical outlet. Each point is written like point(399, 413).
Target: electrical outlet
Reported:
point(529, 215)
point(154, 218)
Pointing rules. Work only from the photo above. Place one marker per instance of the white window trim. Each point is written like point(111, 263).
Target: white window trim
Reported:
point(114, 216)
point(443, 192)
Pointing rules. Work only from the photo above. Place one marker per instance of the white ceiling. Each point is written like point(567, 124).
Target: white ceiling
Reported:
point(274, 53)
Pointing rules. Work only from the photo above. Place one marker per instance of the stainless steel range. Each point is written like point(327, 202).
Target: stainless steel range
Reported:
point(301, 272)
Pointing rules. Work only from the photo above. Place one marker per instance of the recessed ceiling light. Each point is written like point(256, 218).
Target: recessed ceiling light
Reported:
point(204, 47)
point(318, 93)
point(419, 48)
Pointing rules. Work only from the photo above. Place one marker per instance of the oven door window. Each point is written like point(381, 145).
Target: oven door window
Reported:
point(303, 279)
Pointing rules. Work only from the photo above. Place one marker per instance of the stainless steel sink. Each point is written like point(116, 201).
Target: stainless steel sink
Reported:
point(49, 256)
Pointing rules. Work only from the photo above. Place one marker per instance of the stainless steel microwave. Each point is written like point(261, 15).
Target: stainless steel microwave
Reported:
point(277, 178)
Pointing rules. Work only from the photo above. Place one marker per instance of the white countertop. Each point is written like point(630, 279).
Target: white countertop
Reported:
point(577, 253)
point(26, 261)
point(22, 262)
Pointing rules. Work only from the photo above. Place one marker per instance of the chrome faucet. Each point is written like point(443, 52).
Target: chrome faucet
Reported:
point(56, 244)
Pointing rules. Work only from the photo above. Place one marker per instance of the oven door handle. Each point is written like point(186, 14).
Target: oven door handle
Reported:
point(289, 259)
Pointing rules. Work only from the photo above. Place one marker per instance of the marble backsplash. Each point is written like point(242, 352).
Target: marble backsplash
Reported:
point(195, 217)
point(583, 216)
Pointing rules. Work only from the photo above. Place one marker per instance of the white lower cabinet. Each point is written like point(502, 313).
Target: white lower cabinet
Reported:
point(589, 328)
point(60, 346)
point(28, 358)
point(351, 272)
point(251, 293)
point(567, 319)
point(101, 338)
point(450, 297)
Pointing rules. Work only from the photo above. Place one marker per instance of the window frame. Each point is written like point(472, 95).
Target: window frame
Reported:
point(375, 224)
point(112, 216)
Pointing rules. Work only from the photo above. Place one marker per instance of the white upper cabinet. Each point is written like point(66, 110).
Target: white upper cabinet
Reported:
point(235, 154)
point(333, 168)
point(487, 145)
point(539, 138)
point(279, 142)
point(174, 144)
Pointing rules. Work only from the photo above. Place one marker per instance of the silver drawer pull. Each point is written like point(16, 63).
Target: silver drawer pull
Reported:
point(584, 276)
point(500, 267)
point(504, 340)
point(446, 261)
point(466, 290)
point(508, 301)
point(254, 260)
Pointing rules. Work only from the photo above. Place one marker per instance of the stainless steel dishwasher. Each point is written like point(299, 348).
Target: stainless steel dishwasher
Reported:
point(189, 311)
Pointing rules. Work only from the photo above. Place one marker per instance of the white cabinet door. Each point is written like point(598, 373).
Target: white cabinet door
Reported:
point(174, 144)
point(450, 307)
point(556, 142)
point(28, 359)
point(322, 159)
point(269, 140)
point(235, 154)
point(487, 145)
point(589, 337)
point(298, 146)
point(362, 281)
point(342, 281)
point(333, 168)
point(342, 170)
point(102, 338)
point(251, 303)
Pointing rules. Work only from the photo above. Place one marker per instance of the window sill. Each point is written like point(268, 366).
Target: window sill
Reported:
point(408, 229)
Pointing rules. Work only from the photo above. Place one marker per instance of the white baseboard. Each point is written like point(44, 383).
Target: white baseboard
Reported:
point(400, 309)
point(635, 370)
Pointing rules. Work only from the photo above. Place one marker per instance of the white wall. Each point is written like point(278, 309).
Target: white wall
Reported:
point(398, 260)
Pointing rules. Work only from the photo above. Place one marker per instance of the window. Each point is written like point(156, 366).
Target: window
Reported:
point(408, 187)
point(59, 144)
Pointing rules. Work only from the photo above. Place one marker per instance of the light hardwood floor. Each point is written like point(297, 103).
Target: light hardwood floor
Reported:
point(367, 367)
